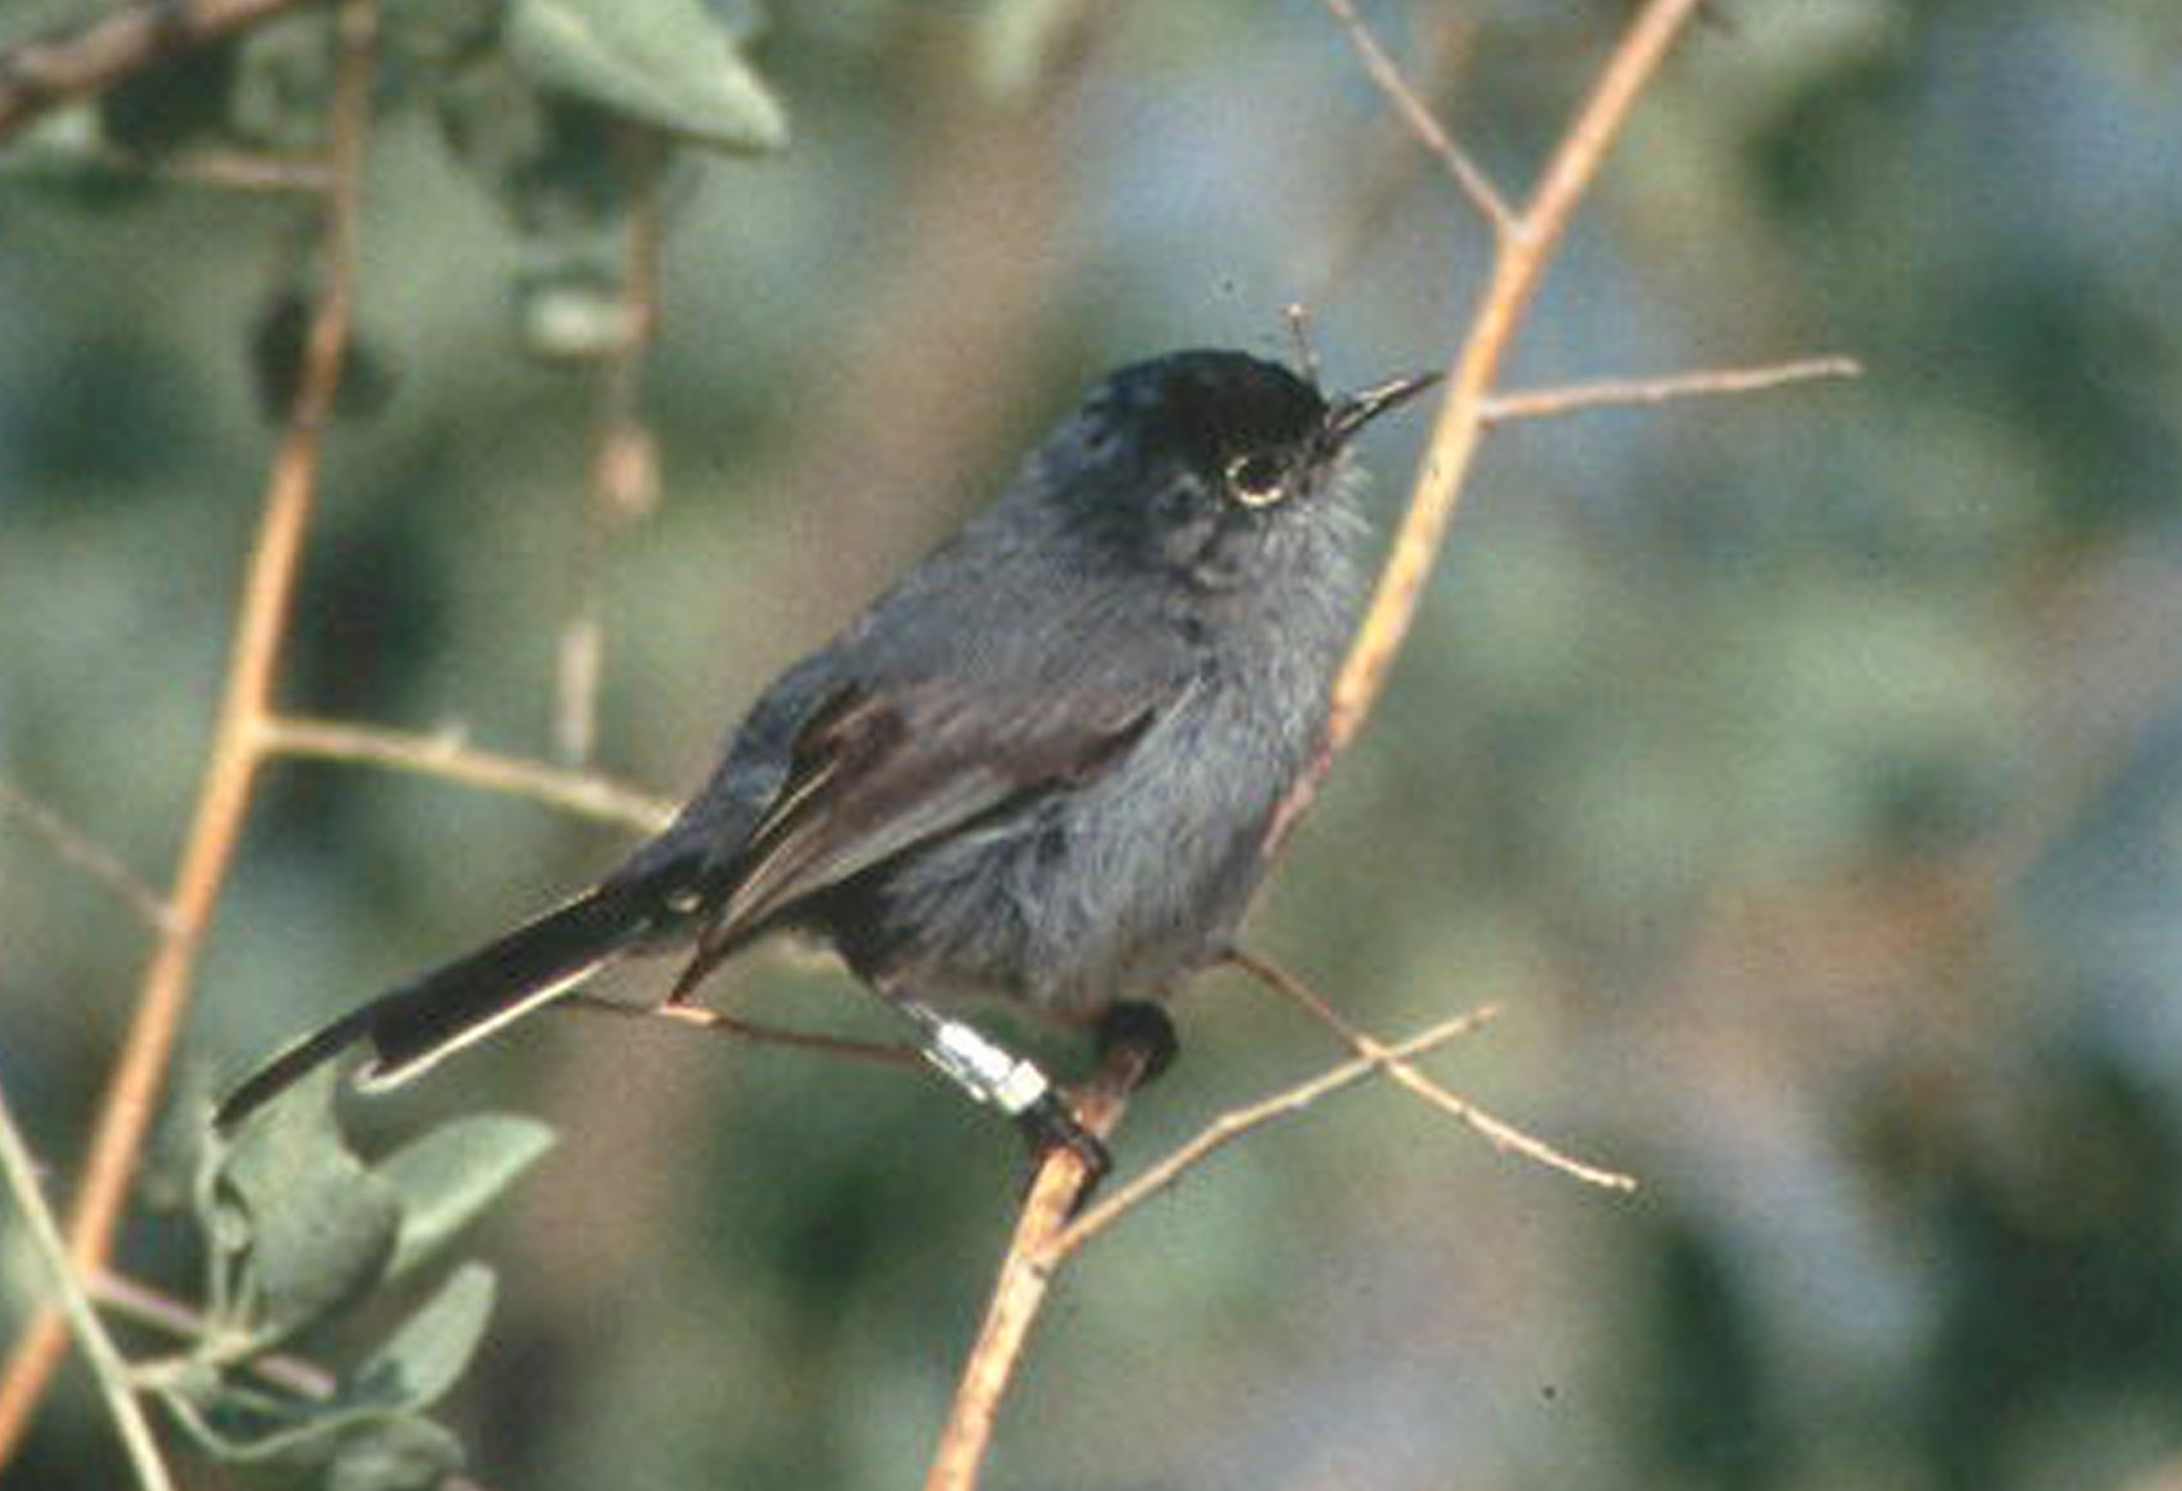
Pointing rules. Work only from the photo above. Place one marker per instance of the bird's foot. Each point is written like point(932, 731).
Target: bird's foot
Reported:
point(1140, 1031)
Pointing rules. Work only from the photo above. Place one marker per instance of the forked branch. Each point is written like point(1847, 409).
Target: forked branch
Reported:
point(1524, 243)
point(132, 1095)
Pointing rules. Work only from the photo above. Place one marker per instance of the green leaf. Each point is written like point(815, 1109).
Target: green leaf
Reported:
point(302, 1227)
point(405, 1454)
point(238, 1421)
point(666, 63)
point(451, 1174)
point(284, 76)
point(425, 1357)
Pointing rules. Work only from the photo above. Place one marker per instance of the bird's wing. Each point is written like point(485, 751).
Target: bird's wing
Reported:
point(876, 771)
point(877, 774)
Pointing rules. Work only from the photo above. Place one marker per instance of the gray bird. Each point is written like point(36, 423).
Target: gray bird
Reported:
point(1041, 769)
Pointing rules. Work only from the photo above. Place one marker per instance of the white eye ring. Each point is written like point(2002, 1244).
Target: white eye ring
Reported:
point(1257, 480)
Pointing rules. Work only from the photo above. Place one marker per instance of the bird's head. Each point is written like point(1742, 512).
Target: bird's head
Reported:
point(1203, 456)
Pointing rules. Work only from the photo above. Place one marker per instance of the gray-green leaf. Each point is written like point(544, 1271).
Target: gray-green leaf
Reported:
point(425, 1357)
point(666, 63)
point(402, 1454)
point(305, 1226)
point(451, 1174)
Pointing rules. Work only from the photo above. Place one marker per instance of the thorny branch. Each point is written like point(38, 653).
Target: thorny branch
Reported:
point(131, 1099)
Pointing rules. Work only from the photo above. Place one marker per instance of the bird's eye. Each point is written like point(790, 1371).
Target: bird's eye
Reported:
point(1257, 480)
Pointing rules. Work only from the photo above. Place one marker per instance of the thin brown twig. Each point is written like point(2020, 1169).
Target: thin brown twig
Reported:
point(1521, 253)
point(199, 166)
point(80, 851)
point(446, 757)
point(1388, 166)
point(1046, 1235)
point(129, 1104)
point(1026, 1273)
point(1498, 1132)
point(734, 1027)
point(145, 1306)
point(138, 1302)
point(46, 71)
point(1386, 75)
point(1617, 393)
point(20, 1173)
point(1237, 1122)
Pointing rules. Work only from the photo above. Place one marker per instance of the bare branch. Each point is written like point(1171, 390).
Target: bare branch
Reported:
point(1233, 1125)
point(1417, 116)
point(130, 1102)
point(208, 166)
point(46, 71)
point(107, 1363)
point(719, 1022)
point(1521, 254)
point(139, 1302)
point(1501, 1134)
point(446, 757)
point(1614, 393)
point(80, 851)
point(1025, 1274)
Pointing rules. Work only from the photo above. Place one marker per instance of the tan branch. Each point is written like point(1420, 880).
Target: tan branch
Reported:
point(139, 1302)
point(719, 1022)
point(1019, 1294)
point(1417, 116)
point(1521, 253)
point(80, 851)
point(209, 166)
point(130, 1102)
point(1618, 393)
point(47, 71)
point(1501, 1134)
point(107, 1364)
point(446, 757)
point(1238, 1122)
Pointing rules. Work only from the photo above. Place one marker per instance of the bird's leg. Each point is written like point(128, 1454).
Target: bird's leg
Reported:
point(1144, 1032)
point(997, 1077)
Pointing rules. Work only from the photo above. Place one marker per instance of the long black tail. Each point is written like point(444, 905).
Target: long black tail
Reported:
point(466, 1000)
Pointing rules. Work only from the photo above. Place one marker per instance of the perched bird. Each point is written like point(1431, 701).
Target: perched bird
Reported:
point(1041, 769)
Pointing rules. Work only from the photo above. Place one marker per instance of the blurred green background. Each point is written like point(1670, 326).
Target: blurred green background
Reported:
point(1802, 773)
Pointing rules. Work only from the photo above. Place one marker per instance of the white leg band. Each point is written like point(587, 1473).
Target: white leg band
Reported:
point(986, 1071)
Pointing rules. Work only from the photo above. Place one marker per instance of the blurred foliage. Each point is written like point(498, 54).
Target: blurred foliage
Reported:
point(296, 1232)
point(1802, 773)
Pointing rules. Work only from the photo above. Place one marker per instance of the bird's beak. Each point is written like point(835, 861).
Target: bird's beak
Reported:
point(1352, 412)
